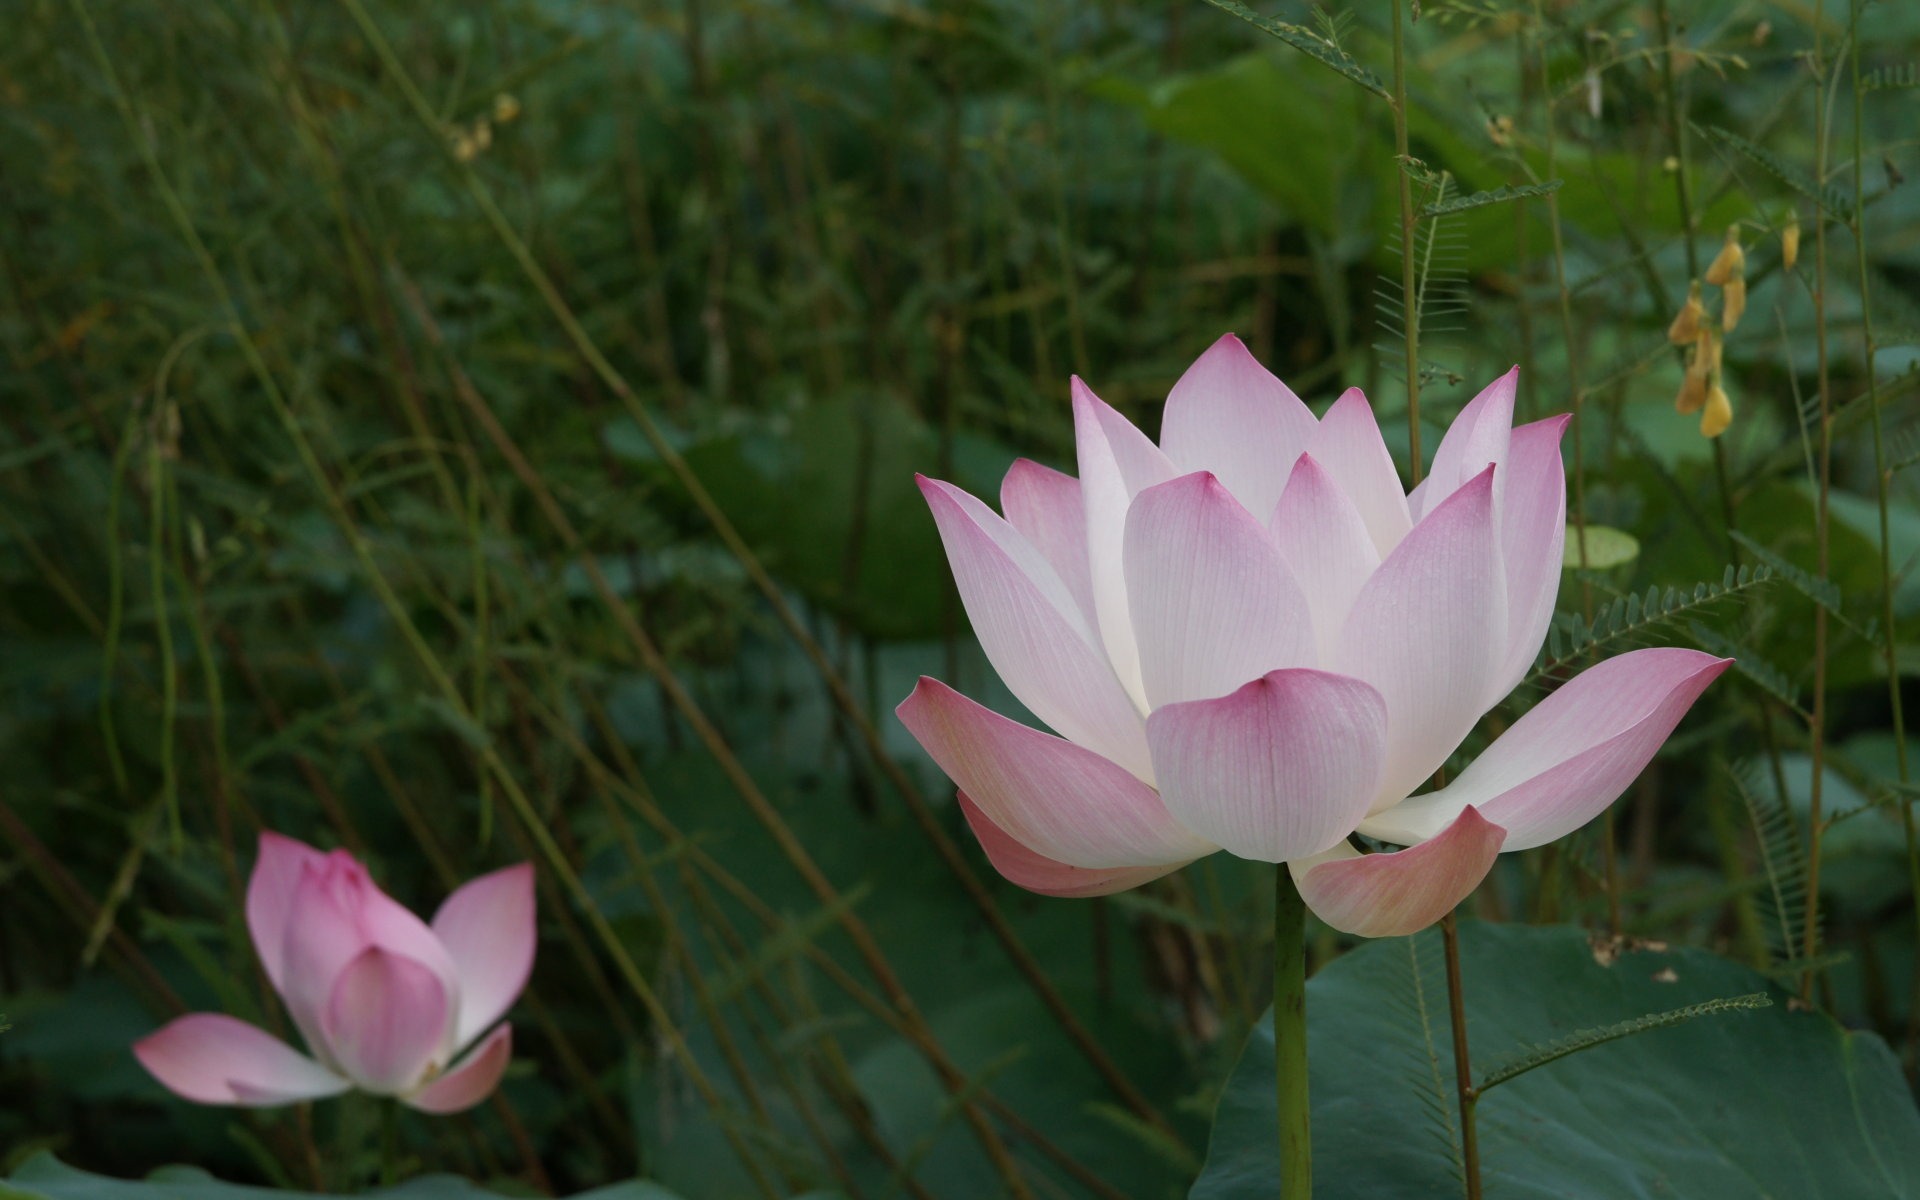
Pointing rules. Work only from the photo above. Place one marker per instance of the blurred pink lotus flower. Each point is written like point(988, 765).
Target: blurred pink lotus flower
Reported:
point(384, 1001)
point(1250, 637)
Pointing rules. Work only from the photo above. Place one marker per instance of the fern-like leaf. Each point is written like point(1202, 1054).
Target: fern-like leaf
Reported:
point(1502, 195)
point(1749, 662)
point(1585, 1039)
point(1573, 637)
point(1782, 855)
point(1309, 43)
point(1832, 199)
point(1906, 75)
point(1417, 1009)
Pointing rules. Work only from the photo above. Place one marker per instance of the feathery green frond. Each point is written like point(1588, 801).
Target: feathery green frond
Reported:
point(1829, 198)
point(1500, 195)
point(1309, 43)
point(1585, 1039)
point(1573, 637)
point(1783, 856)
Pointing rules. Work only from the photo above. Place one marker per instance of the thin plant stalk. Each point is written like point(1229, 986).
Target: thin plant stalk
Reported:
point(1810, 935)
point(389, 1143)
point(1403, 163)
point(1462, 1065)
point(1882, 479)
point(1290, 1036)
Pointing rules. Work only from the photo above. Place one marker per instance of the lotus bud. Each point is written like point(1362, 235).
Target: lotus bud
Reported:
point(386, 1003)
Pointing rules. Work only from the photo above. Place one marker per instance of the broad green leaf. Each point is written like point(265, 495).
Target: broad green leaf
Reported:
point(1769, 1102)
point(44, 1177)
point(1606, 547)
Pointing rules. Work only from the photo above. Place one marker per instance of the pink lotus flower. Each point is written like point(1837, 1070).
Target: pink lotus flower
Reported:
point(385, 1001)
point(1251, 638)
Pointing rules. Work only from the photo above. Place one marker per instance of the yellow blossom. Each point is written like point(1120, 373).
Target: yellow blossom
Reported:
point(1718, 413)
point(1730, 261)
point(1686, 323)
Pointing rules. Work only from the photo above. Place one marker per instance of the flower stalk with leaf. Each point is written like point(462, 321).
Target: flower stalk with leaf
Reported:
point(1250, 637)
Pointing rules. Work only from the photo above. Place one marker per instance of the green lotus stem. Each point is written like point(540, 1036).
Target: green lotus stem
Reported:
point(389, 1143)
point(1290, 1036)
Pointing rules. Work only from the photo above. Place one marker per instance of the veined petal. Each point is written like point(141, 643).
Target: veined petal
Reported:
point(211, 1058)
point(469, 1081)
point(487, 927)
point(1557, 767)
point(1402, 892)
point(1032, 630)
point(1533, 531)
point(1054, 797)
point(1231, 416)
point(1036, 872)
point(1213, 603)
point(1428, 630)
point(1476, 440)
point(276, 874)
point(337, 913)
point(386, 1020)
point(1324, 539)
point(1116, 463)
point(1045, 506)
point(1348, 446)
point(1280, 769)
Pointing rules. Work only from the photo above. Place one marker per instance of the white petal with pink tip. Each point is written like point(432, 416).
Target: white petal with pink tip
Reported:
point(1231, 416)
point(212, 1058)
point(1060, 800)
point(1213, 603)
point(1280, 769)
point(1570, 756)
point(1428, 630)
point(1404, 891)
point(488, 929)
point(1035, 872)
point(1032, 630)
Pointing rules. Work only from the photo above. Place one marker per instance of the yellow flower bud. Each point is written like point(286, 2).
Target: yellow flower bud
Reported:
point(1730, 261)
point(1686, 323)
point(1718, 413)
point(505, 108)
point(1790, 244)
point(1736, 303)
point(463, 148)
point(1693, 385)
point(482, 134)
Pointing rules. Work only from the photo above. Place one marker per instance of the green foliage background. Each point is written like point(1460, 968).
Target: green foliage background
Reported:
point(352, 391)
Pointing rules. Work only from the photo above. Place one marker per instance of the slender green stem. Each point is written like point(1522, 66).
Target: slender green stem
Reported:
point(1290, 1036)
point(1882, 479)
point(1816, 827)
point(1403, 163)
point(1462, 1066)
point(389, 1142)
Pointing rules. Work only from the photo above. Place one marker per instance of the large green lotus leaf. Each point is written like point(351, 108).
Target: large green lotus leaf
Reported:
point(1764, 1103)
point(45, 1178)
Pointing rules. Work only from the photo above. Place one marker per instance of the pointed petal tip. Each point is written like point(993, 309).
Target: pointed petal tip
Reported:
point(1401, 892)
point(468, 1081)
point(212, 1058)
point(922, 687)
